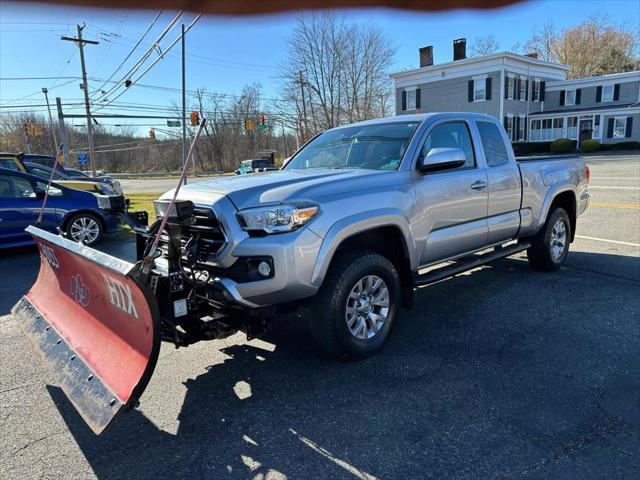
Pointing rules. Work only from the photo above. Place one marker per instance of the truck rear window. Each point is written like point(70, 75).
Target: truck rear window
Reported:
point(374, 147)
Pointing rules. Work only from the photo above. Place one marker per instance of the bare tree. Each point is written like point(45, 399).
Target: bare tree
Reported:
point(484, 46)
point(597, 46)
point(335, 72)
point(542, 42)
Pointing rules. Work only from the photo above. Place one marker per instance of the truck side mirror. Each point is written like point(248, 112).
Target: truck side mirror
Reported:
point(441, 159)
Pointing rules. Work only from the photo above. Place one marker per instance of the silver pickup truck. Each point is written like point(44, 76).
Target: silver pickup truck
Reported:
point(357, 218)
point(359, 213)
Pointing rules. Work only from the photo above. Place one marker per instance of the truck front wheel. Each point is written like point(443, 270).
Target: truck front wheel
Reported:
point(550, 247)
point(356, 307)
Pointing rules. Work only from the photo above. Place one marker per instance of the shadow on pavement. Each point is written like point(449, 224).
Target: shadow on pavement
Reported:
point(478, 380)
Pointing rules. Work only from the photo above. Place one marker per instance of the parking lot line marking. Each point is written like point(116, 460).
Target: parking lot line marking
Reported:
point(631, 206)
point(616, 178)
point(325, 453)
point(602, 187)
point(606, 240)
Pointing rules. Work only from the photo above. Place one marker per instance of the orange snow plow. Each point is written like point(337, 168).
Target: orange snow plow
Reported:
point(95, 323)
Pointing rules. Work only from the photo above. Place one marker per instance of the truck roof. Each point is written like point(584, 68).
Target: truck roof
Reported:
point(419, 117)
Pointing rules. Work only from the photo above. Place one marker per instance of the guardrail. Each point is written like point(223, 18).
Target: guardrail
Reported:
point(125, 176)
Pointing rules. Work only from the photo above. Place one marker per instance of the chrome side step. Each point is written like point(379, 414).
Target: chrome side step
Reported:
point(468, 263)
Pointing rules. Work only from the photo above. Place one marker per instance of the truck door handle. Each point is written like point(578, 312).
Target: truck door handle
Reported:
point(479, 185)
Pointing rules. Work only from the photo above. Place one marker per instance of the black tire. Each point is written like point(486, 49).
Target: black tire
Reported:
point(541, 253)
point(89, 219)
point(328, 318)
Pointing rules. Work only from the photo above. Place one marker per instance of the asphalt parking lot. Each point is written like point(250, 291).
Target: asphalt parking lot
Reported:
point(503, 372)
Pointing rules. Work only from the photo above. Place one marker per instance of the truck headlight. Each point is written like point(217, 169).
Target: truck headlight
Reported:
point(277, 218)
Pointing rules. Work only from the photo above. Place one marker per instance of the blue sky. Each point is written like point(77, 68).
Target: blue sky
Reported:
point(229, 52)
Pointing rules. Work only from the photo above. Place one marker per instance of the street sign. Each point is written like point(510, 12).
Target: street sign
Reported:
point(82, 158)
point(173, 123)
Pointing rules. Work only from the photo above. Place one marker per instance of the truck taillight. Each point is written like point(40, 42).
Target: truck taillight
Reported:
point(588, 173)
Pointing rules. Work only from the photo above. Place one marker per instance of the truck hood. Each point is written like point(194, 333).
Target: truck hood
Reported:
point(281, 186)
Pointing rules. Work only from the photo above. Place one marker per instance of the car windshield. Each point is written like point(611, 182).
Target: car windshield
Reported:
point(374, 146)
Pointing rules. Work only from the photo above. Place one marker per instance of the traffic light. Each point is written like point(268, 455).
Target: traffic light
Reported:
point(152, 134)
point(248, 125)
point(262, 123)
point(194, 118)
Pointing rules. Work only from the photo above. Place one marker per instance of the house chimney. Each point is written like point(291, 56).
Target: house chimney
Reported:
point(532, 55)
point(460, 49)
point(426, 56)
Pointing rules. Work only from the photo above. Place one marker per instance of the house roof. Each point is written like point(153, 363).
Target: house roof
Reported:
point(617, 106)
point(598, 79)
point(482, 59)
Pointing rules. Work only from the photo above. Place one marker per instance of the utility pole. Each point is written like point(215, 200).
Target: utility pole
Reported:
point(302, 81)
point(53, 129)
point(184, 106)
point(63, 131)
point(85, 86)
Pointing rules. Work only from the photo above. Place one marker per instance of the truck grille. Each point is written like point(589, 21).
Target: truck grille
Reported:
point(212, 238)
point(211, 235)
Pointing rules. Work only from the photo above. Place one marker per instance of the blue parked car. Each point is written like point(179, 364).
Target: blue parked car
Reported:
point(84, 216)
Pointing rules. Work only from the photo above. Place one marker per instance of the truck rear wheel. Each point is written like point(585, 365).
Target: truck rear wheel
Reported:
point(357, 305)
point(550, 247)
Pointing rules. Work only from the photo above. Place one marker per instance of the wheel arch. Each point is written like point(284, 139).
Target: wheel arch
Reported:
point(564, 196)
point(387, 234)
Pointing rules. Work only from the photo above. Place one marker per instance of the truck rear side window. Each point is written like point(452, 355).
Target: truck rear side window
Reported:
point(495, 153)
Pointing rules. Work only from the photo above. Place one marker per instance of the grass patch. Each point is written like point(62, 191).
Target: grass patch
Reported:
point(143, 201)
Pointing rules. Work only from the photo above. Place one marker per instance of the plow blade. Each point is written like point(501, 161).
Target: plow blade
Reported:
point(95, 324)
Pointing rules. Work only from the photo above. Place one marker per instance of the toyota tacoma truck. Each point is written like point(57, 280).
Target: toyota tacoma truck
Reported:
point(356, 219)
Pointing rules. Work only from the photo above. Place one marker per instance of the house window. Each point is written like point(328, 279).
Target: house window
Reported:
point(510, 127)
point(522, 125)
point(619, 127)
point(535, 130)
point(535, 90)
point(547, 132)
point(522, 93)
point(572, 127)
point(479, 89)
point(596, 127)
point(570, 97)
point(511, 88)
point(607, 93)
point(558, 125)
point(411, 99)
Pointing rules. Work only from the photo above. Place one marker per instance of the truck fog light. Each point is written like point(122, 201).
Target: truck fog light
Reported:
point(264, 269)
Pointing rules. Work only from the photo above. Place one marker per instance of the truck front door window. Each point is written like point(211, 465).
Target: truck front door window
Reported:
point(451, 135)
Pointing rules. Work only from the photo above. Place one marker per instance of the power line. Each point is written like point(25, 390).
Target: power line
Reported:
point(39, 78)
point(153, 22)
point(118, 29)
point(144, 57)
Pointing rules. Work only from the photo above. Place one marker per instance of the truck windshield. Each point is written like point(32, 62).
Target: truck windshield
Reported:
point(375, 147)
